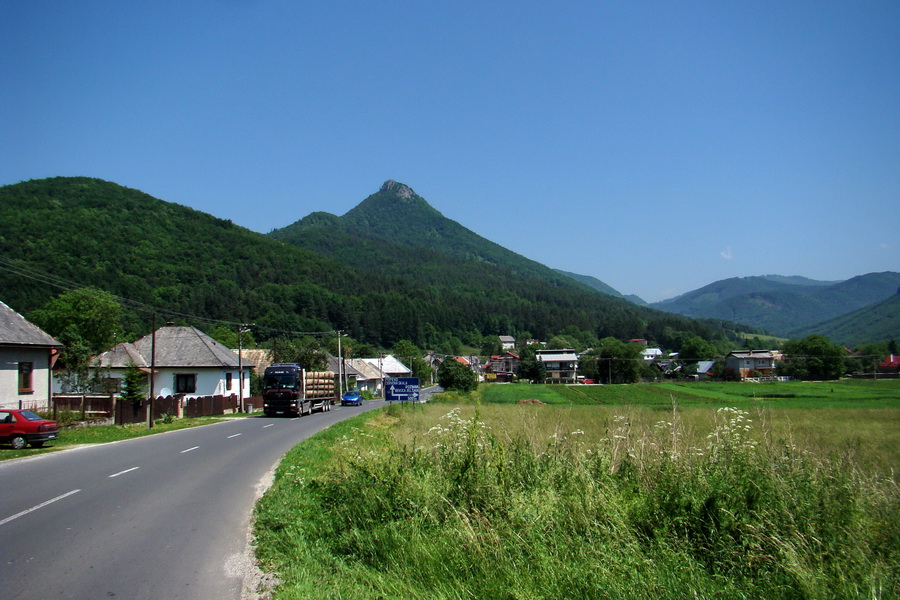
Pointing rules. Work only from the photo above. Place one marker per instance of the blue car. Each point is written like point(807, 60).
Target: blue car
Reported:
point(351, 398)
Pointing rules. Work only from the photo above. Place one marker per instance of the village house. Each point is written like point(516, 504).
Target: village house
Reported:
point(651, 354)
point(752, 363)
point(561, 365)
point(188, 362)
point(508, 342)
point(502, 367)
point(27, 355)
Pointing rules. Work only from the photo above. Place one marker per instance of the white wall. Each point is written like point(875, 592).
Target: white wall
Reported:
point(10, 397)
point(210, 382)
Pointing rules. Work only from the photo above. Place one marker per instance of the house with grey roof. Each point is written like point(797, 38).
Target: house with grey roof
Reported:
point(187, 362)
point(27, 354)
point(752, 363)
point(508, 342)
point(561, 365)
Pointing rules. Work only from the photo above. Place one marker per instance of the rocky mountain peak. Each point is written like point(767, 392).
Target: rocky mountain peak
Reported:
point(400, 189)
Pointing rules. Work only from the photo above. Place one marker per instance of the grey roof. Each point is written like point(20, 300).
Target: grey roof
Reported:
point(349, 367)
point(15, 330)
point(704, 366)
point(389, 365)
point(365, 370)
point(175, 347)
point(752, 354)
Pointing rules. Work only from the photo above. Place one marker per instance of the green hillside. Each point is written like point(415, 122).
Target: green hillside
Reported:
point(431, 281)
point(878, 322)
point(602, 287)
point(395, 233)
point(782, 304)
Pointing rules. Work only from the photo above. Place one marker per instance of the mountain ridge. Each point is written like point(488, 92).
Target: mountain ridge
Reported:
point(379, 288)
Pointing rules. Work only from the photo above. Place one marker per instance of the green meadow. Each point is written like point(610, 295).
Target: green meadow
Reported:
point(658, 490)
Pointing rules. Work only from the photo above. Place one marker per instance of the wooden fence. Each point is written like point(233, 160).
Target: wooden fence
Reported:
point(122, 412)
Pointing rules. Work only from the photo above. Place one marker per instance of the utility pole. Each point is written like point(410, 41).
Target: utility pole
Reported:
point(242, 329)
point(340, 366)
point(152, 373)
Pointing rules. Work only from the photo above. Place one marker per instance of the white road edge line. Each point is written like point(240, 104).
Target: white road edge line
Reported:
point(233, 436)
point(189, 449)
point(123, 472)
point(34, 508)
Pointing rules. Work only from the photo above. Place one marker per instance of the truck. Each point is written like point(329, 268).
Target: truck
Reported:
point(289, 389)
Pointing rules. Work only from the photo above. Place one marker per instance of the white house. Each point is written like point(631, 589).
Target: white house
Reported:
point(651, 354)
point(27, 354)
point(187, 361)
point(561, 365)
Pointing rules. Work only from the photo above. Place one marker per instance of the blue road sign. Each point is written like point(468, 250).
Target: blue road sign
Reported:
point(402, 388)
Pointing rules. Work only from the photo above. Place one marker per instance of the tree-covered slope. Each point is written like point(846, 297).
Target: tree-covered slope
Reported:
point(782, 304)
point(176, 259)
point(602, 286)
point(397, 216)
point(878, 322)
point(395, 233)
point(433, 282)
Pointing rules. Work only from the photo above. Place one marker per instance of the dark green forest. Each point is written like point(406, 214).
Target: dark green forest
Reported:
point(432, 281)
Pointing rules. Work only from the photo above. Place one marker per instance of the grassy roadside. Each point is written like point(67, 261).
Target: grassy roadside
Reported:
point(101, 434)
point(462, 499)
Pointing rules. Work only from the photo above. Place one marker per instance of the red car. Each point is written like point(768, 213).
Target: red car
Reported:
point(22, 427)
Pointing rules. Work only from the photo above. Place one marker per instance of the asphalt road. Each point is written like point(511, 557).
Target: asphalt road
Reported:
point(160, 517)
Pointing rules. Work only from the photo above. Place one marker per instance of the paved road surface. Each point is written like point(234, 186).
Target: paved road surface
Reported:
point(160, 517)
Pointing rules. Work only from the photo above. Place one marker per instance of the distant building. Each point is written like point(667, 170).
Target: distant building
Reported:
point(27, 354)
point(745, 362)
point(389, 366)
point(561, 365)
point(508, 341)
point(651, 354)
point(704, 369)
point(502, 367)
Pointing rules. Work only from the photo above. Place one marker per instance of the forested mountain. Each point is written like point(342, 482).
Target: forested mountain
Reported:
point(782, 304)
point(435, 282)
point(880, 321)
point(602, 287)
point(395, 234)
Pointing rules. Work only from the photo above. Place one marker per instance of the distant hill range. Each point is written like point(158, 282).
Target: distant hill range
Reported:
point(392, 268)
point(879, 321)
point(795, 306)
point(602, 287)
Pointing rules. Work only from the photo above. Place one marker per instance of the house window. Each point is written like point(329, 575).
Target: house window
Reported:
point(228, 381)
point(185, 383)
point(25, 377)
point(748, 363)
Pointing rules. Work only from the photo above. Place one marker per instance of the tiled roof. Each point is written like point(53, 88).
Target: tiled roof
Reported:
point(15, 330)
point(175, 347)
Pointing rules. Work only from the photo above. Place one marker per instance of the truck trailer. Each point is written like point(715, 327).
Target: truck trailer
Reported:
point(289, 389)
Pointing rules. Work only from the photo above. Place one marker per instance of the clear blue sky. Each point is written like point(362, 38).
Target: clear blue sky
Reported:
point(658, 146)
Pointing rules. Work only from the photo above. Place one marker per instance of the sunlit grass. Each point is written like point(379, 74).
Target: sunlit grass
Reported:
point(460, 500)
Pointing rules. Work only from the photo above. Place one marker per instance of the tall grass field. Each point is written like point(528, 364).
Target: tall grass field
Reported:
point(717, 494)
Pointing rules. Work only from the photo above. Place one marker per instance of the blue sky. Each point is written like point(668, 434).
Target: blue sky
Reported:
point(657, 146)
